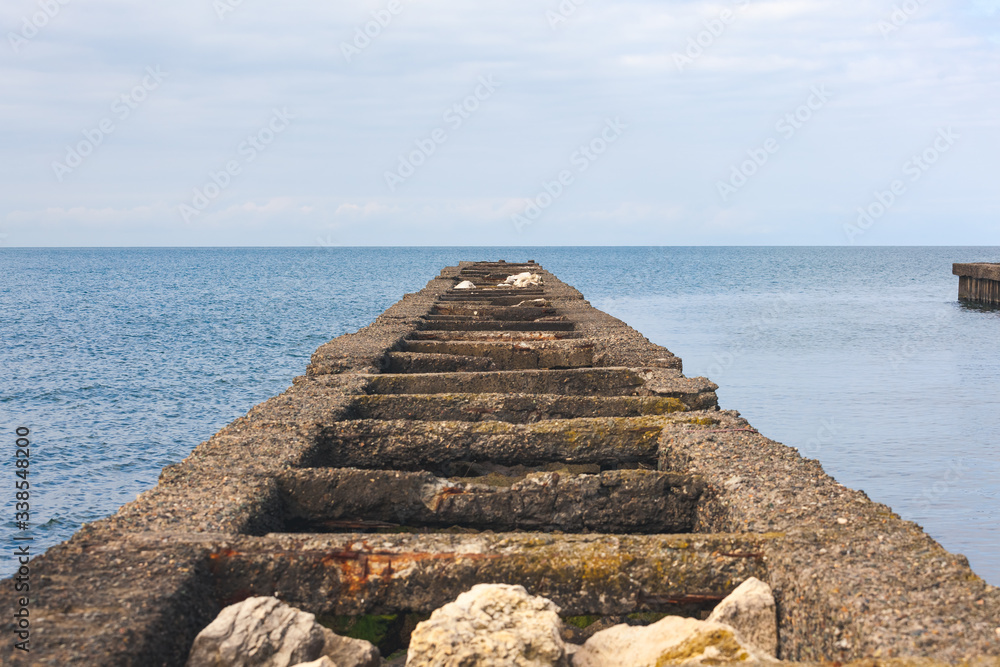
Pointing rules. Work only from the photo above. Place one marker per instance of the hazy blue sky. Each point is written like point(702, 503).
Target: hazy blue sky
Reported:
point(244, 122)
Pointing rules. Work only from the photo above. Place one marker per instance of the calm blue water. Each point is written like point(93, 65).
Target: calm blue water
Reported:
point(122, 360)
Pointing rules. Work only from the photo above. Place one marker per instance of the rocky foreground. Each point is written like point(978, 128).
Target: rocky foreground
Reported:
point(495, 625)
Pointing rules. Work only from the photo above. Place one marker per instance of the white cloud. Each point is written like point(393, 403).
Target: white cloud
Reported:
point(354, 119)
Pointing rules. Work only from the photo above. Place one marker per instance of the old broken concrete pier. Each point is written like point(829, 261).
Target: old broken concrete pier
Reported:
point(501, 435)
point(978, 282)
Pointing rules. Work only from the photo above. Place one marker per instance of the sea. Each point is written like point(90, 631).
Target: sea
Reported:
point(119, 361)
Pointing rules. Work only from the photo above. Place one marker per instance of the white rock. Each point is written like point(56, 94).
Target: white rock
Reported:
point(751, 610)
point(670, 641)
point(322, 662)
point(349, 652)
point(258, 631)
point(526, 279)
point(491, 625)
point(265, 632)
point(466, 284)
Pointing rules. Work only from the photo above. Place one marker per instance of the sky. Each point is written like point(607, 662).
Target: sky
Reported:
point(541, 122)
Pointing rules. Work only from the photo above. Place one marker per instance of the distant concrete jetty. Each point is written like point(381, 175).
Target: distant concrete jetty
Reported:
point(978, 282)
point(510, 435)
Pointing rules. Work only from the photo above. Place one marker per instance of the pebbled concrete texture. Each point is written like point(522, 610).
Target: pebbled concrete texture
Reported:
point(617, 445)
point(616, 501)
point(851, 578)
point(980, 270)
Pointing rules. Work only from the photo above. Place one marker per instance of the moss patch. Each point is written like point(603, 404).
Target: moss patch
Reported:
point(581, 621)
point(701, 421)
point(374, 629)
point(389, 632)
point(647, 617)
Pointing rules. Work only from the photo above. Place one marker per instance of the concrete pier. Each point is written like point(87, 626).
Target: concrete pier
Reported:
point(500, 435)
point(978, 282)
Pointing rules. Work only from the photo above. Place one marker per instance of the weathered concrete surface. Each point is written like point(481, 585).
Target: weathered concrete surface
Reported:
point(377, 573)
point(494, 336)
point(504, 299)
point(513, 313)
point(512, 408)
point(433, 445)
point(851, 579)
point(622, 501)
point(981, 270)
point(411, 362)
point(522, 355)
point(553, 324)
point(978, 282)
point(612, 381)
point(95, 602)
point(364, 351)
